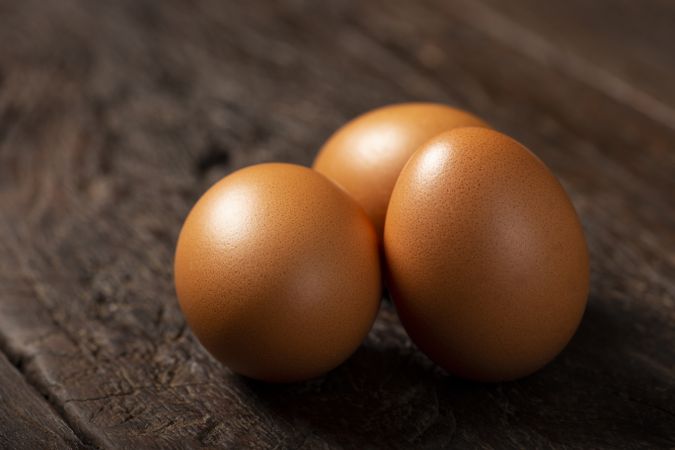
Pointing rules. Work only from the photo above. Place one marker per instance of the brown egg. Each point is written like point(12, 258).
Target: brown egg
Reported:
point(487, 261)
point(366, 155)
point(277, 272)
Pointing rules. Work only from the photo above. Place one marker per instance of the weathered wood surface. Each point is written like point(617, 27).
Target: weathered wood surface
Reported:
point(115, 116)
point(26, 419)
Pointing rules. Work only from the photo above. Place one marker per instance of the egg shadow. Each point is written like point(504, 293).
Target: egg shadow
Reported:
point(385, 393)
point(376, 398)
point(389, 395)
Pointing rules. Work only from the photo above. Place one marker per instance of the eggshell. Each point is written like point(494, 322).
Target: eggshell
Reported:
point(366, 155)
point(277, 272)
point(487, 260)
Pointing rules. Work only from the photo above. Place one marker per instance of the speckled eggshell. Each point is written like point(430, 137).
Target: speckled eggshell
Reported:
point(487, 260)
point(277, 272)
point(366, 155)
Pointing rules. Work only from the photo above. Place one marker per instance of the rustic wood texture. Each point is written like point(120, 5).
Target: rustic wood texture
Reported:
point(116, 116)
point(26, 419)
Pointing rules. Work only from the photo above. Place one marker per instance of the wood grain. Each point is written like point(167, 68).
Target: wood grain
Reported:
point(624, 48)
point(27, 421)
point(115, 116)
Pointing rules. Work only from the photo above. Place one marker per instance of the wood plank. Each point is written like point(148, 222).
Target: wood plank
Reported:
point(26, 419)
point(114, 117)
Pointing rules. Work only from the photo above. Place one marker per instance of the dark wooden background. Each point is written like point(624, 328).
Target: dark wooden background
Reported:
point(115, 116)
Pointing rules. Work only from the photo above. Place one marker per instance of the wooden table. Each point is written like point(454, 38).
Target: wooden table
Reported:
point(116, 116)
